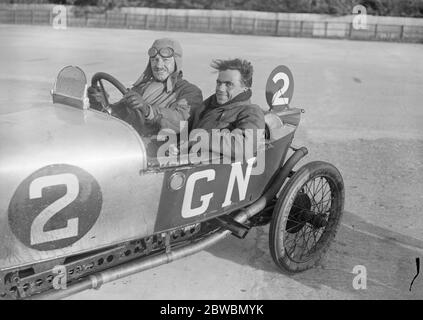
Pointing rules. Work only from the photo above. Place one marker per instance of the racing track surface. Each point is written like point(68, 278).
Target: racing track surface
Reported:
point(364, 114)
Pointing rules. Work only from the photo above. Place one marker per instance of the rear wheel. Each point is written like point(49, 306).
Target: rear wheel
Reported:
point(306, 217)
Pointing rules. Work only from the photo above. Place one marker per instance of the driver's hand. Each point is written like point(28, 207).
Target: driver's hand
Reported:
point(135, 101)
point(96, 98)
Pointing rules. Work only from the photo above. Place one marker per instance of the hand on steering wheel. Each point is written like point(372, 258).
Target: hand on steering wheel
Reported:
point(132, 101)
point(97, 94)
point(136, 102)
point(98, 98)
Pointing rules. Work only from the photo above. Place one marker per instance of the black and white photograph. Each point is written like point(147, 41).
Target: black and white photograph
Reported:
point(224, 151)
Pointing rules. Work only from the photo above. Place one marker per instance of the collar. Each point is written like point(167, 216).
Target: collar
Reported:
point(242, 98)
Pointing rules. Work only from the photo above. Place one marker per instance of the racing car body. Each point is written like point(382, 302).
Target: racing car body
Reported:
point(78, 190)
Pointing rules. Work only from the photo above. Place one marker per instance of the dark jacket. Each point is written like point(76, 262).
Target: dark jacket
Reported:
point(236, 117)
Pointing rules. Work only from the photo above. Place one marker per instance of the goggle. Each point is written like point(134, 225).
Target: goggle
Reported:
point(165, 52)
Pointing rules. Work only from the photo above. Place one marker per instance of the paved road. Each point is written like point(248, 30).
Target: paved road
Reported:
point(363, 113)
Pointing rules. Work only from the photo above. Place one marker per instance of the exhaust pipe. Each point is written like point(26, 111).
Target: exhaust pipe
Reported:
point(95, 281)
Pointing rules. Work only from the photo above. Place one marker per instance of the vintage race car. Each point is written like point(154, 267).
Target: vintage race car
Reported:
point(83, 203)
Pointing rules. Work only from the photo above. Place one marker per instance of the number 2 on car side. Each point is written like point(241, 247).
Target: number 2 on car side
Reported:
point(54, 207)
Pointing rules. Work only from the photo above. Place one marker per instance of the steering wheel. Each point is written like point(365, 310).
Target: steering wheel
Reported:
point(96, 81)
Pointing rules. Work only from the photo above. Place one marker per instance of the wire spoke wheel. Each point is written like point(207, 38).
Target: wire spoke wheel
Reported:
point(306, 216)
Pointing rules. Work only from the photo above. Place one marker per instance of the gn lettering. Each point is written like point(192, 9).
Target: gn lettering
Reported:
point(236, 175)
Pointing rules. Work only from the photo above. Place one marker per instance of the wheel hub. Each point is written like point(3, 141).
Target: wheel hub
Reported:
point(301, 214)
point(296, 218)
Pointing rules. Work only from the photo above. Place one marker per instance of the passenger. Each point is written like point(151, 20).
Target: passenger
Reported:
point(160, 98)
point(228, 114)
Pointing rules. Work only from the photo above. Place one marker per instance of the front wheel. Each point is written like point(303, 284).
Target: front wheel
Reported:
point(306, 217)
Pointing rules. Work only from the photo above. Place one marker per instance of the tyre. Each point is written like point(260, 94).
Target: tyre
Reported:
point(306, 217)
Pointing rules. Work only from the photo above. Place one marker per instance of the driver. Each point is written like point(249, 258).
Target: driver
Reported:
point(160, 98)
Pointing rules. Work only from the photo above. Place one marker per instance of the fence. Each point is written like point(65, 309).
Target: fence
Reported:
point(222, 24)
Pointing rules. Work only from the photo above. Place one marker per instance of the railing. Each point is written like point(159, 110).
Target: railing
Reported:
point(214, 24)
